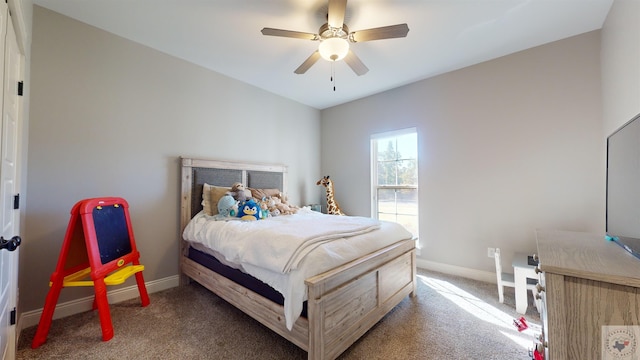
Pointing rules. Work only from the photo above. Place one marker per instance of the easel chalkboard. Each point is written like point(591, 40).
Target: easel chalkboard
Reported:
point(99, 249)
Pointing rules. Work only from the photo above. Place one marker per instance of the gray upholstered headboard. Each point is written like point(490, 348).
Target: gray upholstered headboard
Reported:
point(196, 172)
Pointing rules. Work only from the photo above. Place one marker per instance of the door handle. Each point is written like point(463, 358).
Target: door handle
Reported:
point(10, 245)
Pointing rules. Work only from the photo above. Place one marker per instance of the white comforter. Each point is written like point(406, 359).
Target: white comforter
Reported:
point(283, 251)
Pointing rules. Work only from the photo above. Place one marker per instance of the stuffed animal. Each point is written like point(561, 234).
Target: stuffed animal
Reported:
point(250, 210)
point(268, 205)
point(227, 206)
point(283, 205)
point(264, 207)
point(239, 192)
point(274, 212)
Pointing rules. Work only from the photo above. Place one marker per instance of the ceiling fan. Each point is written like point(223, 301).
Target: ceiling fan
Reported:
point(334, 37)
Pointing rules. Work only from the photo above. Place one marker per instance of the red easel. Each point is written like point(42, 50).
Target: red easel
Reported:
point(98, 244)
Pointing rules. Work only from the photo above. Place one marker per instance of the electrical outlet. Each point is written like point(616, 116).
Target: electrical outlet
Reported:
point(491, 252)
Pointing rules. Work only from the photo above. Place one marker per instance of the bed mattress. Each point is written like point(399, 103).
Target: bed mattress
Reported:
point(239, 277)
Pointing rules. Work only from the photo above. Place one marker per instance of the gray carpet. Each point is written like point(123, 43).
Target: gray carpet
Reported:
point(450, 318)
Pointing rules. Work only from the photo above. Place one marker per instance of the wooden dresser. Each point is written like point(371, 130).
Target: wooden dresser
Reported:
point(587, 282)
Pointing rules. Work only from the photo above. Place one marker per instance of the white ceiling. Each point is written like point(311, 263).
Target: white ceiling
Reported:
point(444, 35)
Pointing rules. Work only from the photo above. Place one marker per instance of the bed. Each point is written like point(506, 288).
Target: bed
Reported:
point(341, 302)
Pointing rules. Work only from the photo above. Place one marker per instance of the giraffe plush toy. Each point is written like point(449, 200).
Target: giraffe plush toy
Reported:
point(332, 205)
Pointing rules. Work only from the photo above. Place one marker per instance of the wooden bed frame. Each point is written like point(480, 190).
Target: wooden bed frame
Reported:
point(343, 303)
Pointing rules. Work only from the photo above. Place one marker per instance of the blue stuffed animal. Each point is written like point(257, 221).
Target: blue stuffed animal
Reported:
point(250, 210)
point(227, 206)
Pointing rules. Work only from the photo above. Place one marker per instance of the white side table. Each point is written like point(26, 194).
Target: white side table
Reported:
point(521, 272)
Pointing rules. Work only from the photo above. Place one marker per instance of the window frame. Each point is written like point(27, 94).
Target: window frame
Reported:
point(375, 187)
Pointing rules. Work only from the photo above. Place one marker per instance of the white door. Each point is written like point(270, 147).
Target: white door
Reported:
point(9, 219)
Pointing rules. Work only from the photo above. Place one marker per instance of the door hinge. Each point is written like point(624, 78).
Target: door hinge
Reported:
point(20, 88)
point(12, 317)
point(16, 201)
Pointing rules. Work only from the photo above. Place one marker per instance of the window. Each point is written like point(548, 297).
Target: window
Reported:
point(394, 177)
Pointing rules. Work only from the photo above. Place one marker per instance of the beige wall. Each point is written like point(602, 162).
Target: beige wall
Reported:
point(110, 117)
point(506, 146)
point(621, 64)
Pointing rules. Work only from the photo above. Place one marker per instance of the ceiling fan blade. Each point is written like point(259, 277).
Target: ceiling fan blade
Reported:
point(355, 63)
point(385, 32)
point(289, 34)
point(308, 63)
point(336, 11)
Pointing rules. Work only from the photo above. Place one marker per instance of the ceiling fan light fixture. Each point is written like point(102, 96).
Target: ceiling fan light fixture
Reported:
point(333, 49)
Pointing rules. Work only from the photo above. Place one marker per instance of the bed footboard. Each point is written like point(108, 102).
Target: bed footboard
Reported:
point(343, 303)
point(346, 302)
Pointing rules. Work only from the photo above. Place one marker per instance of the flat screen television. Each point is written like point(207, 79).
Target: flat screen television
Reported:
point(623, 186)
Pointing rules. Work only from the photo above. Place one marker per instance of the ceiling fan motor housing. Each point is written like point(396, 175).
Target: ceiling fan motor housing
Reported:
point(327, 32)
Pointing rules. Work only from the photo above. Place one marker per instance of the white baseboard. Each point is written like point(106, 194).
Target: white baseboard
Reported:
point(32, 318)
point(473, 274)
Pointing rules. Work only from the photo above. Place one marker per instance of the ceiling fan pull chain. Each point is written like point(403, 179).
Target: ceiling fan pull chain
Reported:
point(333, 75)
